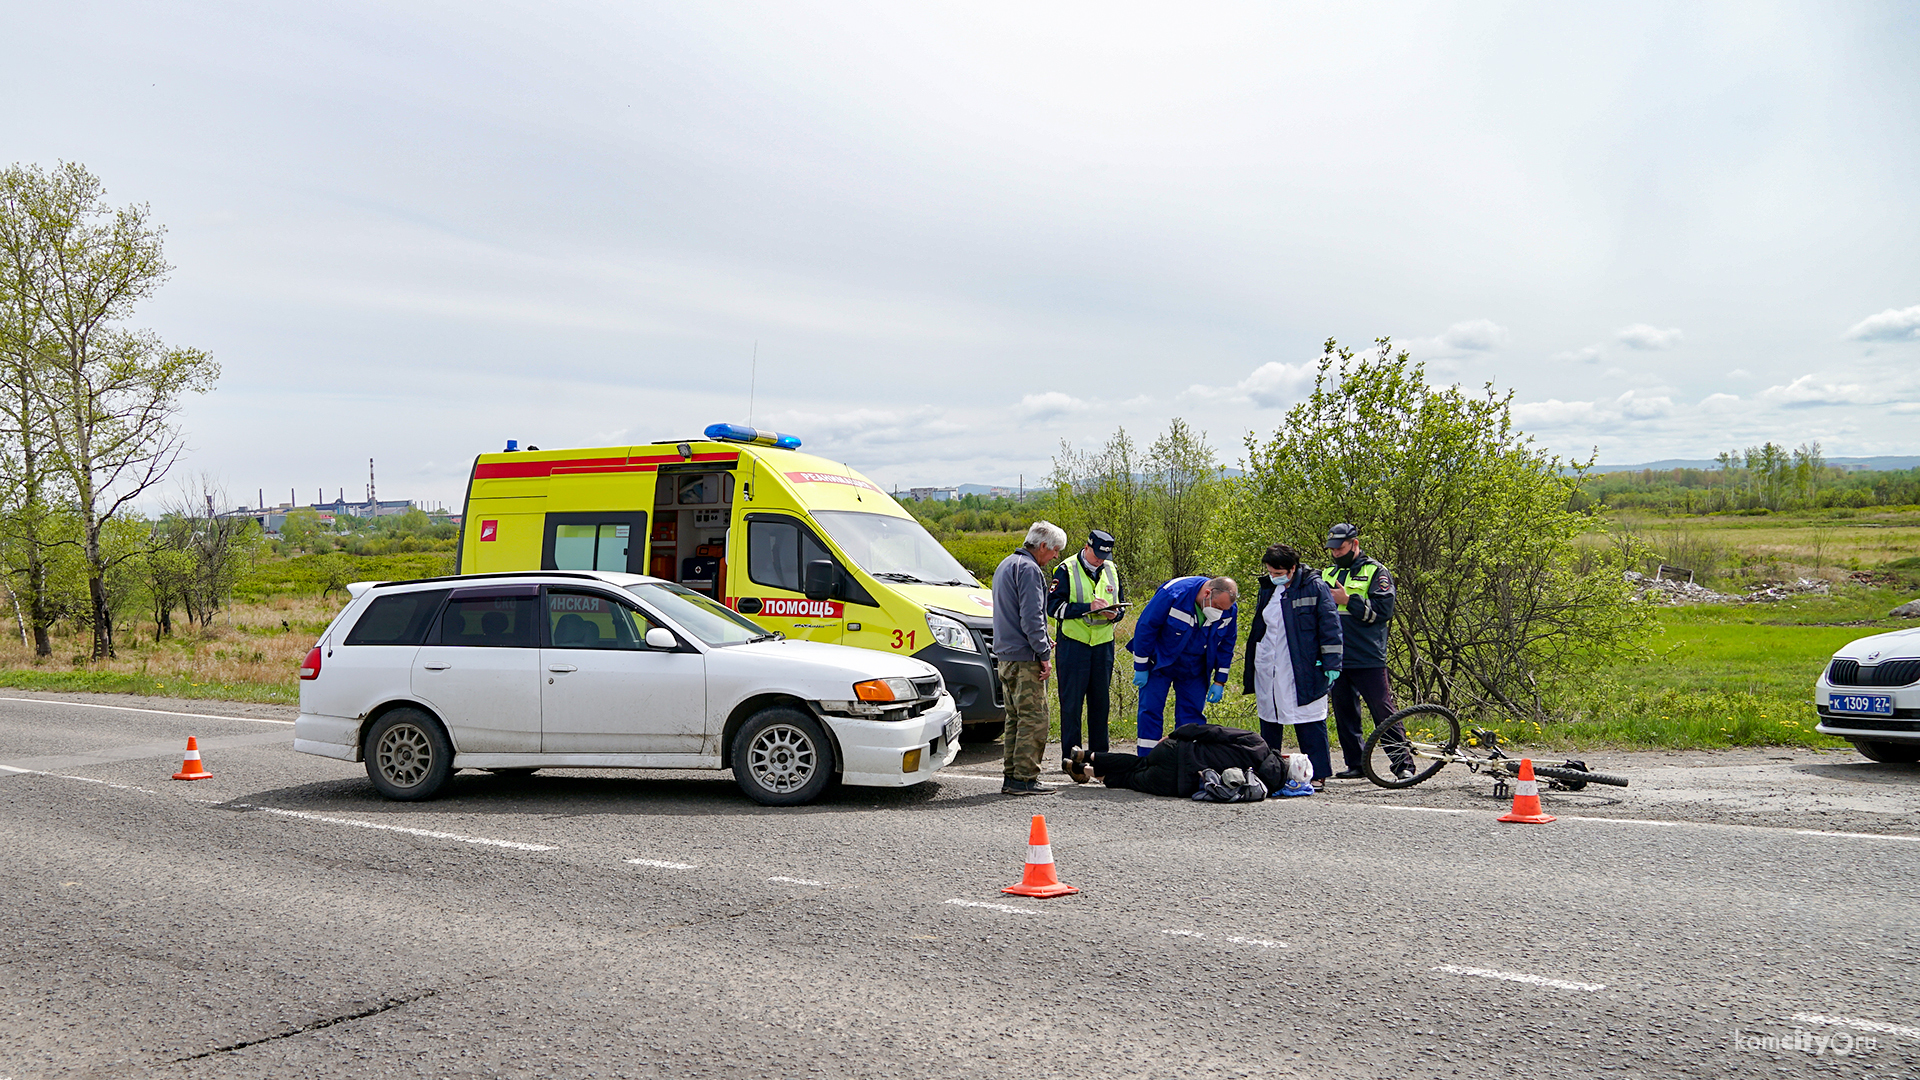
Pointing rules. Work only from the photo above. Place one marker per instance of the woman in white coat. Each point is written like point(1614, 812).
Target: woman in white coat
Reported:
point(1293, 656)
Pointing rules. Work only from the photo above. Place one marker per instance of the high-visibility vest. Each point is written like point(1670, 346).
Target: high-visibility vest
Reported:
point(1357, 580)
point(1083, 589)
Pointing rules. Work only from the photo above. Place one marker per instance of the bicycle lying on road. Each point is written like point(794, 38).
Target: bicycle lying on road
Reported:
point(1418, 741)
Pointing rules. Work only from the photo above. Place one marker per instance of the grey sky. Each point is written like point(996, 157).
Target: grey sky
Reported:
point(962, 233)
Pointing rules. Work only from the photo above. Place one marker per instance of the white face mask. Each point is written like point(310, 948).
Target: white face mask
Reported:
point(1209, 615)
point(1280, 579)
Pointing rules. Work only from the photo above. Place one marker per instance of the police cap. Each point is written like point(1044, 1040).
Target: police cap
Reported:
point(1101, 543)
point(1340, 534)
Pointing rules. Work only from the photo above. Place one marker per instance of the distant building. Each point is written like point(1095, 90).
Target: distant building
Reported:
point(272, 518)
point(932, 494)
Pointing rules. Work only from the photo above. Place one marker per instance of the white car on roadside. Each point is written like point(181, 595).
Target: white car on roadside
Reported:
point(589, 669)
point(1869, 695)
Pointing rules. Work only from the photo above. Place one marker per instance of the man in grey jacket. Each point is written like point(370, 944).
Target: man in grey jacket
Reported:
point(1023, 653)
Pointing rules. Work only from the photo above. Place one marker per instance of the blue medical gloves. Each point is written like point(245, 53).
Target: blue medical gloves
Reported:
point(1139, 677)
point(1215, 693)
point(1333, 676)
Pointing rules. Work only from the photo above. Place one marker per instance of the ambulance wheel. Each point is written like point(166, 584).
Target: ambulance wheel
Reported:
point(782, 757)
point(978, 733)
point(1891, 753)
point(409, 756)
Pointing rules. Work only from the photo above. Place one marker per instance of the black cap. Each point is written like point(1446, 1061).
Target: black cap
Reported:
point(1340, 534)
point(1101, 543)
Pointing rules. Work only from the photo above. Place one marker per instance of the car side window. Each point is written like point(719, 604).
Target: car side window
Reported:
point(778, 552)
point(584, 620)
point(400, 619)
point(496, 622)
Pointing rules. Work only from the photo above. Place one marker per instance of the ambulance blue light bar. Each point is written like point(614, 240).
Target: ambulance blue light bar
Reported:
point(743, 433)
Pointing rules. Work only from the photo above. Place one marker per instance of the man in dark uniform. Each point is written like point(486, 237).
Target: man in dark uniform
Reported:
point(1363, 591)
point(1085, 600)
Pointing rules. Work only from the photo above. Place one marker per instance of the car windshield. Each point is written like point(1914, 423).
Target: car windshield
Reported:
point(893, 548)
point(698, 615)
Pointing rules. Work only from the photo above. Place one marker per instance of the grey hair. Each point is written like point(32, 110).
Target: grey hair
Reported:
point(1045, 534)
point(1231, 587)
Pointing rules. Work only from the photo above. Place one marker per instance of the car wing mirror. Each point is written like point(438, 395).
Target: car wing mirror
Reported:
point(662, 638)
point(820, 579)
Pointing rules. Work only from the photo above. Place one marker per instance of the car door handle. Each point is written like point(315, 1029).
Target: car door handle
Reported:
point(563, 668)
point(436, 665)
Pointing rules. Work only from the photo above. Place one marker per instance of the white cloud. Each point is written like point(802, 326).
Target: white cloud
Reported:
point(1739, 373)
point(1804, 391)
point(1642, 336)
point(1474, 335)
point(869, 427)
point(1051, 405)
point(1890, 325)
point(1720, 403)
point(1632, 405)
point(1272, 385)
point(1589, 355)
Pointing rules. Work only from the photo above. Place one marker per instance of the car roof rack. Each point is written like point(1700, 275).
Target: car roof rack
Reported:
point(497, 574)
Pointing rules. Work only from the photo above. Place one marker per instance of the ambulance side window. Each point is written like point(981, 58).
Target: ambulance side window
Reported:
point(778, 550)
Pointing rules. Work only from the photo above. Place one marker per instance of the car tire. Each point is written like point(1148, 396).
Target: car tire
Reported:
point(782, 757)
point(979, 733)
point(409, 757)
point(1891, 753)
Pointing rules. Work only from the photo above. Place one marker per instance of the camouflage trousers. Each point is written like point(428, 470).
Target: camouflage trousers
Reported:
point(1027, 721)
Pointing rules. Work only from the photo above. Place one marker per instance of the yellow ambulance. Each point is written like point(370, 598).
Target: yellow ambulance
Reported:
point(798, 543)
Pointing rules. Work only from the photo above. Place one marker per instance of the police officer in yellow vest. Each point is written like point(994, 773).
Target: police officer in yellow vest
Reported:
point(1085, 599)
point(1362, 590)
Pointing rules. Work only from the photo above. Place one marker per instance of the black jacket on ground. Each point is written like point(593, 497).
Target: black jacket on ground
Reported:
point(1173, 767)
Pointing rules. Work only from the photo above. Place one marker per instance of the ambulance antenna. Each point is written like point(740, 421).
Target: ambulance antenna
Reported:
point(752, 378)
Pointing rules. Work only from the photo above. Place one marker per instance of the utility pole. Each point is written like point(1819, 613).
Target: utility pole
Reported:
point(373, 493)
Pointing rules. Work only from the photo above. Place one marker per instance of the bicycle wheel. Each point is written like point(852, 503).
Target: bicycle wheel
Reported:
point(1576, 776)
point(1410, 745)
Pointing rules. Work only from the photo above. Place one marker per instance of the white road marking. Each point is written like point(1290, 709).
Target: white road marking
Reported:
point(1620, 820)
point(1262, 942)
point(428, 833)
point(1863, 1025)
point(1857, 835)
point(1424, 809)
point(797, 881)
point(663, 864)
point(1009, 908)
point(155, 712)
point(1514, 976)
point(82, 779)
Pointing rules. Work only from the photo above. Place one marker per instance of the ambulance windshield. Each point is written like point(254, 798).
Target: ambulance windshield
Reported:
point(893, 548)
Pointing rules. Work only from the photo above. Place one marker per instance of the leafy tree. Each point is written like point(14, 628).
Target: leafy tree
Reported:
point(28, 487)
point(302, 530)
point(108, 392)
point(1186, 491)
point(1107, 489)
point(1494, 600)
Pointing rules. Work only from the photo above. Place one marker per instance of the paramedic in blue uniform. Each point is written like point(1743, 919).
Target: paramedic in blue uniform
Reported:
point(1184, 641)
point(1085, 602)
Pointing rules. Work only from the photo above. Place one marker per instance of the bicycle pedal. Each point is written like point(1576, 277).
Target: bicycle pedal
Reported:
point(1501, 790)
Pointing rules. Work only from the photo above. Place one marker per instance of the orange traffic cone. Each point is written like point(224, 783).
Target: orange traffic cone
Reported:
point(191, 769)
point(1526, 798)
point(1039, 880)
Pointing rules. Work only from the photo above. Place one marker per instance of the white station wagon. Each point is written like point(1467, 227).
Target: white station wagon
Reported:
point(1869, 694)
point(591, 669)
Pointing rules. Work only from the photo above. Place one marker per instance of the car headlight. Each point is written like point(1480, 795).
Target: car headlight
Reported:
point(883, 690)
point(950, 633)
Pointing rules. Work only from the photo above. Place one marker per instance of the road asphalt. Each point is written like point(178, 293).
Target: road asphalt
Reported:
point(1728, 915)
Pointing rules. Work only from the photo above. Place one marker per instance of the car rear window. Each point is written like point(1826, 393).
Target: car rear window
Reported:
point(400, 619)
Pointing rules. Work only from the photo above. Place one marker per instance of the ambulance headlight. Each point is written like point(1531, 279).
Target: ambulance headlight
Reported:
point(950, 633)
